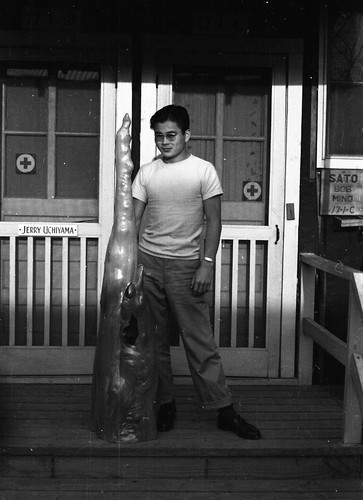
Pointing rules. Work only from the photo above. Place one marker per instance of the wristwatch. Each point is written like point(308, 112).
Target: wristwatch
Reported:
point(209, 259)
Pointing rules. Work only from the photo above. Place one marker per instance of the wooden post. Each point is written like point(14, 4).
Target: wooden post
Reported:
point(357, 376)
point(352, 423)
point(307, 302)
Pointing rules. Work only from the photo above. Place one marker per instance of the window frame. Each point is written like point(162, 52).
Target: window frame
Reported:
point(322, 158)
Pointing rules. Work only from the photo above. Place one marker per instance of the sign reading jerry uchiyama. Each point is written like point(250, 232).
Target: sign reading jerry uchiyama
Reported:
point(55, 230)
point(341, 192)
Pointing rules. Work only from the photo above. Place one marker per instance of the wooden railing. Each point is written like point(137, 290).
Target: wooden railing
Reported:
point(44, 274)
point(238, 263)
point(349, 353)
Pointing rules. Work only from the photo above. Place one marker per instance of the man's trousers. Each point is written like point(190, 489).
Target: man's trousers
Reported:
point(167, 287)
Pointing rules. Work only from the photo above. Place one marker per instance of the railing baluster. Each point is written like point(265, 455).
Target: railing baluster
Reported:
point(65, 286)
point(29, 291)
point(47, 288)
point(234, 297)
point(251, 293)
point(82, 290)
point(12, 289)
point(217, 294)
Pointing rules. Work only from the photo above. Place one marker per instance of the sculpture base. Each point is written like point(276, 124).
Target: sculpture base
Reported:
point(125, 384)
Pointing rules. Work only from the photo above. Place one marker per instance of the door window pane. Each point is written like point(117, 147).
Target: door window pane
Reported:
point(242, 162)
point(244, 110)
point(26, 167)
point(202, 148)
point(201, 100)
point(26, 103)
point(78, 102)
point(77, 167)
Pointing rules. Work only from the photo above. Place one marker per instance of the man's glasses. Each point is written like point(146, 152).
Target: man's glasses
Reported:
point(169, 136)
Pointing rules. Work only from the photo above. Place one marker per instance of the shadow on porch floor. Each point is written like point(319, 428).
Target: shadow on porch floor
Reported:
point(47, 450)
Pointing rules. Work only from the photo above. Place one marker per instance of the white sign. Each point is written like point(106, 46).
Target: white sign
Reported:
point(25, 163)
point(57, 230)
point(341, 192)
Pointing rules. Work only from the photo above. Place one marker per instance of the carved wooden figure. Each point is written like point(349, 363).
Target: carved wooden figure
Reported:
point(124, 375)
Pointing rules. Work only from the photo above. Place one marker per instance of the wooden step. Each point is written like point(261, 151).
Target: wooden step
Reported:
point(44, 436)
point(181, 489)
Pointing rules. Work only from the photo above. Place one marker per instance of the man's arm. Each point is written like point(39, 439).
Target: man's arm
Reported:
point(139, 208)
point(203, 277)
point(212, 210)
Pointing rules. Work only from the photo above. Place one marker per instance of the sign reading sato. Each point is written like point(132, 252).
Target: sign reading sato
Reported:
point(341, 192)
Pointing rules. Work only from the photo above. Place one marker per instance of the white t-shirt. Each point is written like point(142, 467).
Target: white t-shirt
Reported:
point(174, 194)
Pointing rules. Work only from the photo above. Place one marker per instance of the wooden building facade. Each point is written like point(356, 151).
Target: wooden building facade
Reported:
point(275, 99)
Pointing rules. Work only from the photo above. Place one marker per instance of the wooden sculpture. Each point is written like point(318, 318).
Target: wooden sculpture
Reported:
point(124, 381)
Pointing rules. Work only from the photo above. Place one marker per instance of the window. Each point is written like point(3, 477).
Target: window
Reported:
point(341, 95)
point(50, 139)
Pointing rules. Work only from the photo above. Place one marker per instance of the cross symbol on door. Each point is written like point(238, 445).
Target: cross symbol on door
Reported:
point(25, 163)
point(252, 190)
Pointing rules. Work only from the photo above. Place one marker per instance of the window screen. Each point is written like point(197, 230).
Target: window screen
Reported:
point(345, 86)
point(50, 132)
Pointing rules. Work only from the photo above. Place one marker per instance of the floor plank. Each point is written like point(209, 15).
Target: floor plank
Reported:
point(47, 450)
point(230, 489)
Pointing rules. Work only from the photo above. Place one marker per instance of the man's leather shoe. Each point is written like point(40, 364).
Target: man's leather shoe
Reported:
point(166, 416)
point(235, 423)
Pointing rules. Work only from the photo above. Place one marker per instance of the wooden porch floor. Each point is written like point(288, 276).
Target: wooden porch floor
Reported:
point(47, 450)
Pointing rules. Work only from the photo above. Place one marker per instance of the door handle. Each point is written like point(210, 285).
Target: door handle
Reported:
point(277, 234)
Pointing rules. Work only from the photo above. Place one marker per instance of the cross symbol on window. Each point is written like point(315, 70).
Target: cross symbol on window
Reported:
point(25, 163)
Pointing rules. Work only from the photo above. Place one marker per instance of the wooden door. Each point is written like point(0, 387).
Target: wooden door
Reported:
point(241, 108)
point(57, 164)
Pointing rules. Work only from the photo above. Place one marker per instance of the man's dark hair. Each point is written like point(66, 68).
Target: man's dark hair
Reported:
point(172, 113)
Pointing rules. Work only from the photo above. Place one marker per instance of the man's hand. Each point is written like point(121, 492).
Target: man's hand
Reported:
point(202, 279)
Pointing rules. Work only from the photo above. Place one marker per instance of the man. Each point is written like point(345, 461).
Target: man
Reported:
point(179, 190)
